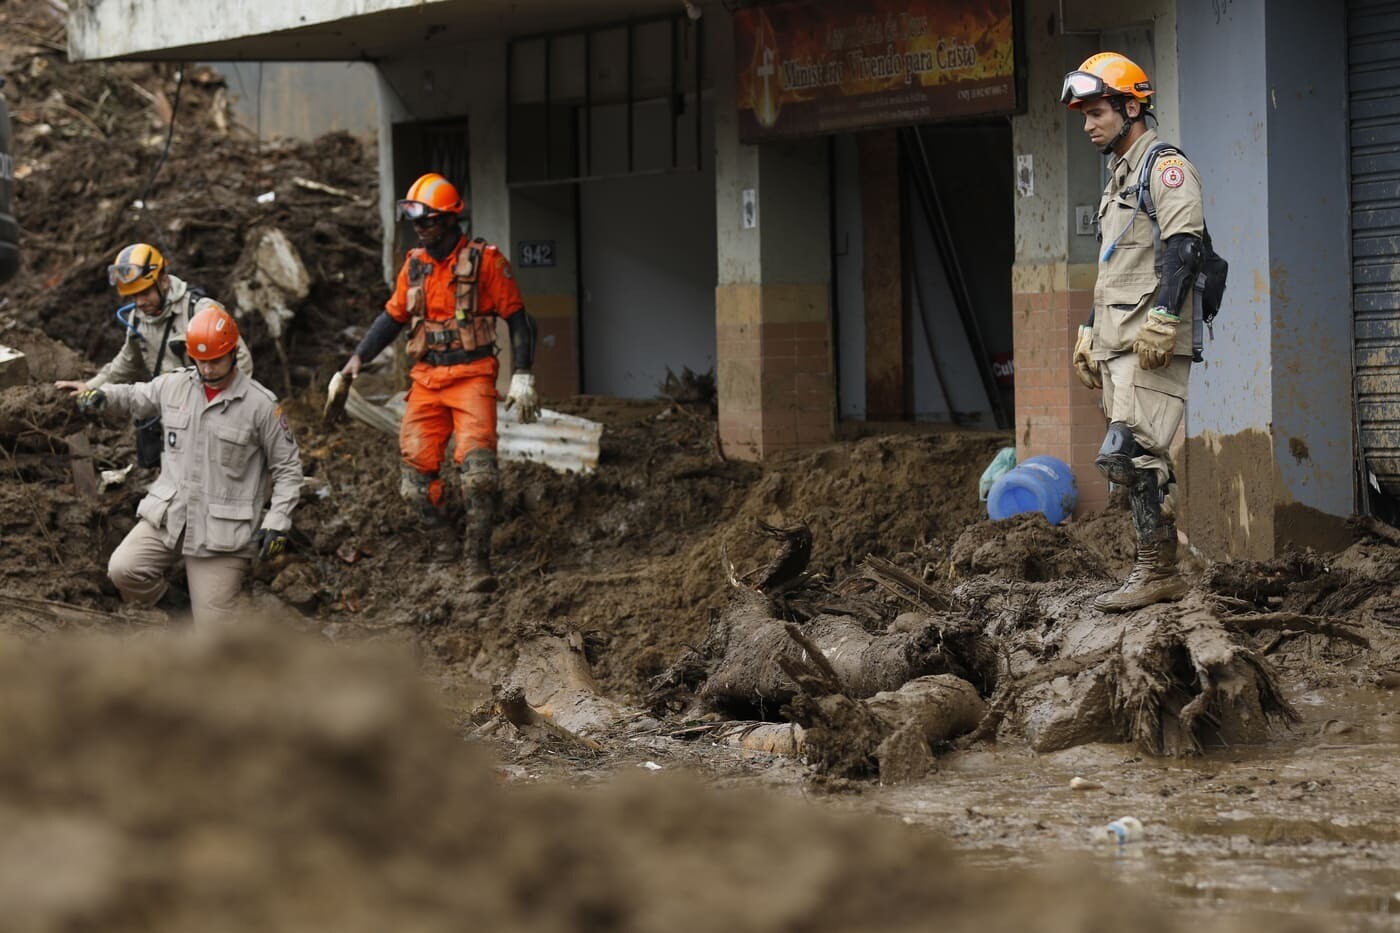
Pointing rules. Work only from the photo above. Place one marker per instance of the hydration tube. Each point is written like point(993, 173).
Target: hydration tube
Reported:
point(126, 321)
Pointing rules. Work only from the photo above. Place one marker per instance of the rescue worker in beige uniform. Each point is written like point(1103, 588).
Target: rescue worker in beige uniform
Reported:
point(161, 308)
point(1136, 346)
point(225, 435)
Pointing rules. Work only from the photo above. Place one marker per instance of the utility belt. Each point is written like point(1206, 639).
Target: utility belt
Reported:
point(454, 357)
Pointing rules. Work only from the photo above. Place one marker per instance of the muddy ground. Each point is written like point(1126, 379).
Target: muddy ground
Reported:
point(264, 780)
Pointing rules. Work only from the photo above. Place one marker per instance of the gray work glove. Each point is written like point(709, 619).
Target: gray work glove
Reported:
point(92, 401)
point(271, 543)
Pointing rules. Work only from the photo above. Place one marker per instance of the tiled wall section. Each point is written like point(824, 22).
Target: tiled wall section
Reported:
point(1055, 413)
point(776, 382)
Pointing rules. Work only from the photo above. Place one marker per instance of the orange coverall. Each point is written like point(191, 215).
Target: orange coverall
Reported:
point(457, 399)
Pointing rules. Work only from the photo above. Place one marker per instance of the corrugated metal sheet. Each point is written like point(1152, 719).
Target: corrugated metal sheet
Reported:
point(562, 442)
point(1374, 90)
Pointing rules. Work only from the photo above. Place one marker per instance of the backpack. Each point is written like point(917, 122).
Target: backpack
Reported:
point(1210, 278)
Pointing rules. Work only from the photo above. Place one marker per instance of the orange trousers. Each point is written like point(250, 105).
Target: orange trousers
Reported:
point(448, 402)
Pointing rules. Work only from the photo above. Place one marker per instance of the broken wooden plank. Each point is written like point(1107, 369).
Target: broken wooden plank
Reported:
point(80, 459)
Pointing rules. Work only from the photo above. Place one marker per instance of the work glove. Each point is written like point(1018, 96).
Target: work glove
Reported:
point(522, 393)
point(92, 401)
point(1084, 366)
point(1156, 342)
point(271, 543)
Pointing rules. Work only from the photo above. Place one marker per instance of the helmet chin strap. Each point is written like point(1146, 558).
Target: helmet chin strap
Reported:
point(213, 383)
point(1120, 105)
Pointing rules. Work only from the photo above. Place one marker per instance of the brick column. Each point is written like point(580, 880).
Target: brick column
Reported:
point(1055, 413)
point(776, 389)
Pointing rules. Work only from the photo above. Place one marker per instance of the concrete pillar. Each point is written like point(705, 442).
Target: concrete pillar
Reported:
point(772, 302)
point(1052, 281)
point(1269, 458)
point(548, 214)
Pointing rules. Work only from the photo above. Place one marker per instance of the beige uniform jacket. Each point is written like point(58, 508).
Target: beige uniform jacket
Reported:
point(136, 361)
point(218, 456)
point(1127, 280)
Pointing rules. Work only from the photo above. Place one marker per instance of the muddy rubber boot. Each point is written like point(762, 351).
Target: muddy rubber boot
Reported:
point(480, 490)
point(444, 546)
point(476, 552)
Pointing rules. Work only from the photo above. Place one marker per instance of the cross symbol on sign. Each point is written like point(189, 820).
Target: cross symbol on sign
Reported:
point(767, 68)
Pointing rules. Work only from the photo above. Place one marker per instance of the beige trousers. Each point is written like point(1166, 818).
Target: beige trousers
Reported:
point(139, 564)
point(1150, 402)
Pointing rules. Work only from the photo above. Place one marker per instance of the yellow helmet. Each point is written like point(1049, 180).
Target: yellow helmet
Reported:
point(136, 269)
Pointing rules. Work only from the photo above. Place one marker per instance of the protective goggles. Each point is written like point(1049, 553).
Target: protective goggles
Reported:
point(1081, 85)
point(124, 273)
point(417, 210)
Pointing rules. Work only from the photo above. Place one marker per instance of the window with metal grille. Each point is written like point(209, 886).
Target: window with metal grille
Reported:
point(608, 101)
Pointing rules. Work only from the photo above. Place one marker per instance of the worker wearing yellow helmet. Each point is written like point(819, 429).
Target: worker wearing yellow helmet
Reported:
point(156, 310)
point(1151, 223)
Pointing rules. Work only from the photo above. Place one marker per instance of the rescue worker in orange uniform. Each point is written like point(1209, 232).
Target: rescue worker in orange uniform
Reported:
point(449, 293)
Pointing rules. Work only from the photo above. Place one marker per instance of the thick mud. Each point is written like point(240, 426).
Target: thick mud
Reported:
point(251, 780)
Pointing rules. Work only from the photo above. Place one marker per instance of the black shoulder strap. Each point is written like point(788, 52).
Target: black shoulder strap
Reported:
point(1145, 176)
point(164, 341)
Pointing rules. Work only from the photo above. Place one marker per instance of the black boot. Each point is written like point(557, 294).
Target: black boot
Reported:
point(1154, 577)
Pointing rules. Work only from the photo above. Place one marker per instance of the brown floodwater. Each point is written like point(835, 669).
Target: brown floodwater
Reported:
point(1309, 824)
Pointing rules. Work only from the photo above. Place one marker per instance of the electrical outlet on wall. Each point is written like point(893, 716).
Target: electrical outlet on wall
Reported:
point(1084, 220)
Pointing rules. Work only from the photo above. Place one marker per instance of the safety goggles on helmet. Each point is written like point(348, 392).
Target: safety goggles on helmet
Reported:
point(125, 273)
point(417, 210)
point(1081, 85)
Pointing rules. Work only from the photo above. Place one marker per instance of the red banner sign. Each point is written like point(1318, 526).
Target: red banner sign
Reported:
point(829, 66)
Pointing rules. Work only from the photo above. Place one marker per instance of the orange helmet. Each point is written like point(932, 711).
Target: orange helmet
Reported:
point(136, 269)
point(1106, 74)
point(430, 194)
point(213, 333)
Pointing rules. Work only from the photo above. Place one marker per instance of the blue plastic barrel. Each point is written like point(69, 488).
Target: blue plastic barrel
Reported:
point(1040, 484)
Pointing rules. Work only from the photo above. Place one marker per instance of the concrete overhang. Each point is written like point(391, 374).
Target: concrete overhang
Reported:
point(321, 30)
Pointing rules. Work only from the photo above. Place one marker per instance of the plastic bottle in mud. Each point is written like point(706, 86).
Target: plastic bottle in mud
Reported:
point(1123, 830)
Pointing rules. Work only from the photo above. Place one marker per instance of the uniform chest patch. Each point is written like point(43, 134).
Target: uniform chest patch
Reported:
point(170, 437)
point(1172, 171)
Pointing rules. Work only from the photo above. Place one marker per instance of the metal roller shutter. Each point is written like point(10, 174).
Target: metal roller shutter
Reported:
point(1373, 39)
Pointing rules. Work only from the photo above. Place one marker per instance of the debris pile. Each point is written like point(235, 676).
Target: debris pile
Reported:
point(93, 174)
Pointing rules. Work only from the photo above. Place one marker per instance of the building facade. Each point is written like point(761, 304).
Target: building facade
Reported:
point(900, 271)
